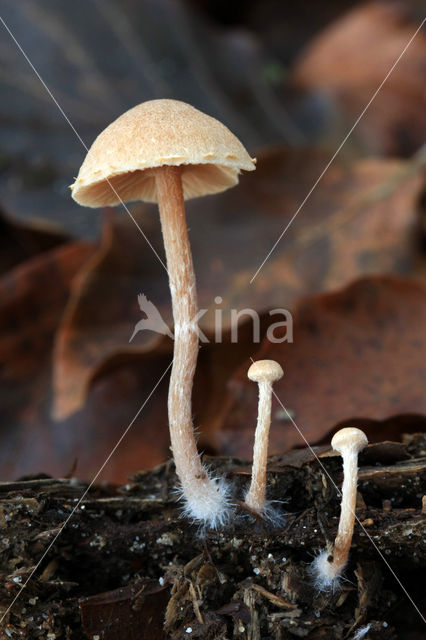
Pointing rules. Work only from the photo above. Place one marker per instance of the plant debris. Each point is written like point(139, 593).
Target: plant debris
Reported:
point(127, 566)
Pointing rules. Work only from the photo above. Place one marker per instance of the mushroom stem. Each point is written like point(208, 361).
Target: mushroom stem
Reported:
point(255, 498)
point(342, 543)
point(329, 567)
point(204, 498)
point(264, 372)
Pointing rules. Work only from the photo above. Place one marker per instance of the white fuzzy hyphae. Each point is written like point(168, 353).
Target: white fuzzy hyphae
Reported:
point(209, 503)
point(326, 576)
point(272, 514)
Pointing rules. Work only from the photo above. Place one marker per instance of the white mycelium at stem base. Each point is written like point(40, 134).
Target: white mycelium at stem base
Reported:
point(328, 567)
point(264, 372)
point(205, 499)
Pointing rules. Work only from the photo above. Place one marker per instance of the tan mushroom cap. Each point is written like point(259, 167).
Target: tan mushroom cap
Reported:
point(268, 370)
point(153, 134)
point(349, 438)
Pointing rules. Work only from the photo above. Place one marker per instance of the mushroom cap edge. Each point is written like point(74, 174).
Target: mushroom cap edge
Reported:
point(153, 134)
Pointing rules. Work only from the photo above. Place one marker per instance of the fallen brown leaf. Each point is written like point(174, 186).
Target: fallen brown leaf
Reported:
point(351, 58)
point(33, 296)
point(133, 612)
point(103, 310)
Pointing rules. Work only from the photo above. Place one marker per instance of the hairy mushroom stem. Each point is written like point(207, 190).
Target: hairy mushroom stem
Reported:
point(205, 499)
point(328, 567)
point(255, 497)
point(342, 543)
point(264, 372)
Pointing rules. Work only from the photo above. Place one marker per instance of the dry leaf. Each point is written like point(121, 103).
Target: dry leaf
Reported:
point(33, 296)
point(351, 58)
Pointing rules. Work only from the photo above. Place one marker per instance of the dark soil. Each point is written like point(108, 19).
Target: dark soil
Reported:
point(128, 567)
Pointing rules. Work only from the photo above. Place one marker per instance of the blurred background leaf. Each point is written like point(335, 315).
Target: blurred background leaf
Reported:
point(242, 62)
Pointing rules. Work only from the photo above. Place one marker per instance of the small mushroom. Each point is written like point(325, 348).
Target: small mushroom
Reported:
point(166, 151)
point(328, 566)
point(264, 372)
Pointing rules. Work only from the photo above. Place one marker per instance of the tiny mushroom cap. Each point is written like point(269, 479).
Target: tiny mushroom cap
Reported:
point(267, 370)
point(349, 437)
point(154, 134)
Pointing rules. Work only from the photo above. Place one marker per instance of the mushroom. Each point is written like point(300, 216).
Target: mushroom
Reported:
point(264, 372)
point(167, 151)
point(328, 566)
